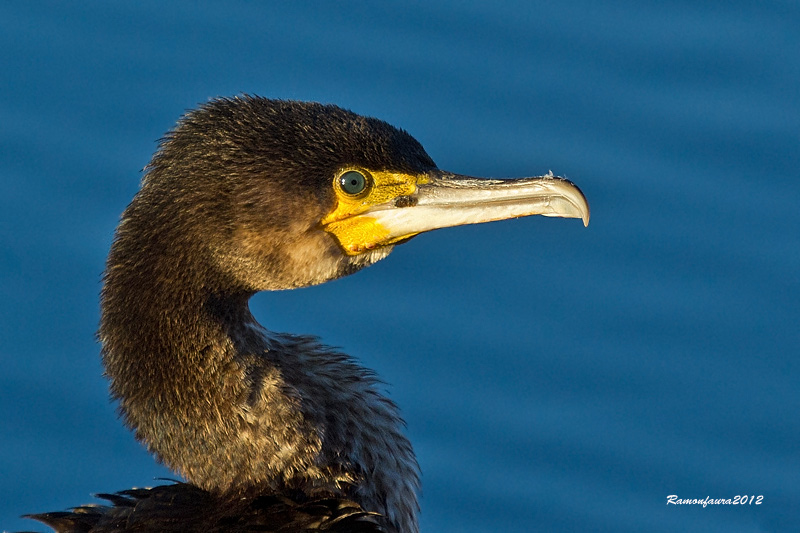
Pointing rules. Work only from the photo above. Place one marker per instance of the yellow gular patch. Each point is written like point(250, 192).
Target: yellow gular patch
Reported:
point(350, 222)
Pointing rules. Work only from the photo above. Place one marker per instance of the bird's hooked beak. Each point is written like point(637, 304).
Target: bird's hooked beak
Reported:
point(395, 207)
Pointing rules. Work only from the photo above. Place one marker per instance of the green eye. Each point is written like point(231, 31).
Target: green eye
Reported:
point(353, 182)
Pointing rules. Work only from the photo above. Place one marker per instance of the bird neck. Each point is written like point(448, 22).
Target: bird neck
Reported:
point(165, 329)
point(230, 406)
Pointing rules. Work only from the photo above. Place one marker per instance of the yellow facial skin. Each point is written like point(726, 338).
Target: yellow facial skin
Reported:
point(358, 232)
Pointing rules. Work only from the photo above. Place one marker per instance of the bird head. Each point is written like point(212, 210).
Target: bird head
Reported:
point(284, 194)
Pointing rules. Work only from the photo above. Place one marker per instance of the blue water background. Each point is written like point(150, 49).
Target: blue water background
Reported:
point(553, 377)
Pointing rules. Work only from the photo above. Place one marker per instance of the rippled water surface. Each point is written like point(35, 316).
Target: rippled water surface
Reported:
point(553, 377)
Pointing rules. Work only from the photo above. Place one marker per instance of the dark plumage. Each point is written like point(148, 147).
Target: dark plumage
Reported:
point(185, 508)
point(244, 195)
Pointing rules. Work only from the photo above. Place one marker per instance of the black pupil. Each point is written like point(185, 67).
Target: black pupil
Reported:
point(353, 182)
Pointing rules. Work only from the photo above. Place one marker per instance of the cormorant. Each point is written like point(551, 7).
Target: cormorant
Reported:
point(270, 430)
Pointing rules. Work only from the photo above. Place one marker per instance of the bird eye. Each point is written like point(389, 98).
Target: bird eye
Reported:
point(353, 182)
